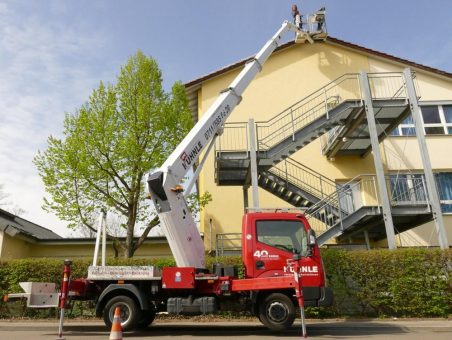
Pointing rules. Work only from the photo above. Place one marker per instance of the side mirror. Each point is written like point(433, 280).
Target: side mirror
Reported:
point(312, 239)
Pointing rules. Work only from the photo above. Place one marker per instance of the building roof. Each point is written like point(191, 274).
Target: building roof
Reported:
point(13, 225)
point(194, 85)
point(330, 40)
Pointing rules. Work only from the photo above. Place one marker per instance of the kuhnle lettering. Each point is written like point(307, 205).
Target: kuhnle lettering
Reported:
point(189, 158)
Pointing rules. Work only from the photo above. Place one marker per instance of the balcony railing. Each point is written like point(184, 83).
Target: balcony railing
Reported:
point(362, 191)
point(228, 244)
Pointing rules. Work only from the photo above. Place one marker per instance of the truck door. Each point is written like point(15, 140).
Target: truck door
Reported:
point(277, 241)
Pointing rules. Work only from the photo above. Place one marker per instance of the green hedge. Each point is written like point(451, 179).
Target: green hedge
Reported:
point(377, 283)
point(406, 283)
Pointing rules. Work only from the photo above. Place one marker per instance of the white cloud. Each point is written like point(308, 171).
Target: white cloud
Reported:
point(47, 68)
point(3, 8)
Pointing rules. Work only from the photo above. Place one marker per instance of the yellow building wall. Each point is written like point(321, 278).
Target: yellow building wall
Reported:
point(431, 87)
point(72, 251)
point(402, 153)
point(14, 248)
point(288, 76)
point(63, 251)
point(17, 248)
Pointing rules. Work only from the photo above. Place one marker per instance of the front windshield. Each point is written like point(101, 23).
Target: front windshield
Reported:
point(288, 235)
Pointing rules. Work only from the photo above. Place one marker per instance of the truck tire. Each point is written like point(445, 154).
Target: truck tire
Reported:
point(147, 317)
point(277, 312)
point(130, 313)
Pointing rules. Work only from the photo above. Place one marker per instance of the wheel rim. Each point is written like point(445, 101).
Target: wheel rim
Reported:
point(125, 313)
point(277, 312)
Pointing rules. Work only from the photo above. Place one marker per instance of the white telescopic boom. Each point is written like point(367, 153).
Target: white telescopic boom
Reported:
point(175, 218)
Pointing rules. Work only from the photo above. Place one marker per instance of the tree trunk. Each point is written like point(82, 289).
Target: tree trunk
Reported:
point(129, 251)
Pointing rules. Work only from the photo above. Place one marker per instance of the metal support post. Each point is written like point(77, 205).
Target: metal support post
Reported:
point(339, 207)
point(253, 163)
point(366, 238)
point(98, 235)
point(326, 104)
point(104, 237)
point(429, 178)
point(370, 115)
point(245, 198)
point(211, 235)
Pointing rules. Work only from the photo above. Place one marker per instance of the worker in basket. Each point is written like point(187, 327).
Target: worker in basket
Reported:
point(297, 17)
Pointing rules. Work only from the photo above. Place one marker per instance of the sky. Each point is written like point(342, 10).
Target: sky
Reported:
point(54, 53)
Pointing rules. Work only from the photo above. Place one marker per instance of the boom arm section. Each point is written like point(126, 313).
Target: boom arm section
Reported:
point(175, 218)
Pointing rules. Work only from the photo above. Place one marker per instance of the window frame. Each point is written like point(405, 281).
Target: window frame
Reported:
point(398, 131)
point(435, 125)
point(302, 242)
point(441, 192)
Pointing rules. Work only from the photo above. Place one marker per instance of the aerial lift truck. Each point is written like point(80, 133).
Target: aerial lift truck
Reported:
point(282, 262)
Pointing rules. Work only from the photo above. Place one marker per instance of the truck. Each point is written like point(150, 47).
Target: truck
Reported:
point(275, 246)
point(283, 269)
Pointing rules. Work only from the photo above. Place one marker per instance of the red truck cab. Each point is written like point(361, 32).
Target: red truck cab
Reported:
point(271, 239)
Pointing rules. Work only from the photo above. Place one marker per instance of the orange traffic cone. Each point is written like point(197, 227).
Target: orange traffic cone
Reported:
point(116, 329)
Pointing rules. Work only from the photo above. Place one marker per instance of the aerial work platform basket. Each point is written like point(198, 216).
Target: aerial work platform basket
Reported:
point(313, 29)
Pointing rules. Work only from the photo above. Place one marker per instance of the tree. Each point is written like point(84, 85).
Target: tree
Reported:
point(122, 132)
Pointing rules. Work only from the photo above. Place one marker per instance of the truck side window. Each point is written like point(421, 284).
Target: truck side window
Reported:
point(286, 235)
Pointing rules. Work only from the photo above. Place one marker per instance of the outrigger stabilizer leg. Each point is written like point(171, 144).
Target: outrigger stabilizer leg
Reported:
point(299, 295)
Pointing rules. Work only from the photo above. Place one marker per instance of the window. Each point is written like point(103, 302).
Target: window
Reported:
point(437, 120)
point(411, 188)
point(444, 184)
point(407, 188)
point(285, 235)
point(406, 128)
point(432, 121)
point(447, 110)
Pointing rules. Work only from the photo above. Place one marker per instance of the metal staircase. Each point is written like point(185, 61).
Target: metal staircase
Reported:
point(336, 114)
point(308, 119)
point(356, 207)
point(296, 183)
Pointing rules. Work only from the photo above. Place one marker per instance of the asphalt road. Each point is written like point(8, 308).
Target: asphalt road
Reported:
point(331, 329)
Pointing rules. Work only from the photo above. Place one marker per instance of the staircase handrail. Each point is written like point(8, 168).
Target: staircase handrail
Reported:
point(324, 185)
point(336, 195)
point(416, 194)
point(269, 136)
point(320, 101)
point(333, 133)
point(334, 82)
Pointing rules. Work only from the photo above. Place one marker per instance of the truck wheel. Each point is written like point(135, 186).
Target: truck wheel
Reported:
point(277, 312)
point(147, 317)
point(130, 314)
